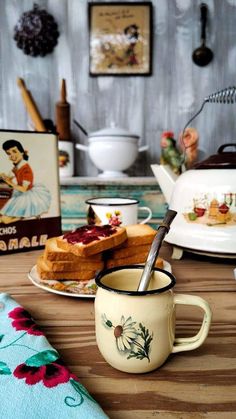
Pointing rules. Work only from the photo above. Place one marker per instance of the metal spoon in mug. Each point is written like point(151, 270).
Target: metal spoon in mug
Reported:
point(154, 251)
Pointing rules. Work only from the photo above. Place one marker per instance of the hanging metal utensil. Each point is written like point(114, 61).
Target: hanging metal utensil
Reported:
point(203, 55)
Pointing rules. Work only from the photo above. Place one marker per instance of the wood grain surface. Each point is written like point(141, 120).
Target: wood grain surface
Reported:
point(190, 385)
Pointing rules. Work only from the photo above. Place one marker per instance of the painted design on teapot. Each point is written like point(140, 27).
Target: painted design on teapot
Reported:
point(213, 211)
point(131, 339)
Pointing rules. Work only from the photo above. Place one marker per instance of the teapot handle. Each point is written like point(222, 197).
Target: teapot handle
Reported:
point(223, 146)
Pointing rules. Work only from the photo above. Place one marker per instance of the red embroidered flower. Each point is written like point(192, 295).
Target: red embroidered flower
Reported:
point(51, 374)
point(22, 320)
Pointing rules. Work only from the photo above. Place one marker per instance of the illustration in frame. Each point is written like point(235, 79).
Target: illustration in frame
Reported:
point(120, 38)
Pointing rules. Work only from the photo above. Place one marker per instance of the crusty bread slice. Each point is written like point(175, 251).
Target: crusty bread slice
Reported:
point(124, 252)
point(133, 260)
point(139, 234)
point(82, 265)
point(45, 273)
point(96, 239)
point(53, 252)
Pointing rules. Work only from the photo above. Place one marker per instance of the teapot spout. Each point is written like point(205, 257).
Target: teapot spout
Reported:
point(166, 179)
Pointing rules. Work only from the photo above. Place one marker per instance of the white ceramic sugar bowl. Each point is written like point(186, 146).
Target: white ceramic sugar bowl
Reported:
point(112, 150)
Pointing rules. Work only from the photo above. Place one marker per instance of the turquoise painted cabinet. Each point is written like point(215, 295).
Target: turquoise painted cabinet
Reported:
point(75, 191)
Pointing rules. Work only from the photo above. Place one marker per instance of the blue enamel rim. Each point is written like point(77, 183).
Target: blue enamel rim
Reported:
point(100, 275)
point(92, 201)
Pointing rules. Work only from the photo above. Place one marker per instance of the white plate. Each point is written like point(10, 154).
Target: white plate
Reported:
point(34, 278)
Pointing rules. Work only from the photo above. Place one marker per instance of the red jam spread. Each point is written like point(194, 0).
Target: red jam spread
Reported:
point(89, 233)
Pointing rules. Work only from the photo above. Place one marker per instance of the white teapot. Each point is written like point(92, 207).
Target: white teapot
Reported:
point(205, 200)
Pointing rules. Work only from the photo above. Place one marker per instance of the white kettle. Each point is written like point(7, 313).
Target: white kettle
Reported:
point(205, 200)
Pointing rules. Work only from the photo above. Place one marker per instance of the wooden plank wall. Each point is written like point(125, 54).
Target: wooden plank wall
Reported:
point(145, 105)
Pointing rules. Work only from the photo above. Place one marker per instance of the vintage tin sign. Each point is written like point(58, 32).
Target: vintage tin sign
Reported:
point(29, 190)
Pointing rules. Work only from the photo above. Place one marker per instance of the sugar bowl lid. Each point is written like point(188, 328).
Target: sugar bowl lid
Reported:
point(221, 160)
point(113, 131)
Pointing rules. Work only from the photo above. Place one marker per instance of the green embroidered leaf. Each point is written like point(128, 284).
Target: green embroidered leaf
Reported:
point(42, 358)
point(4, 369)
point(1, 337)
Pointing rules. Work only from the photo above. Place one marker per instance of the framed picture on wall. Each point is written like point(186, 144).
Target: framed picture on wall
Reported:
point(120, 39)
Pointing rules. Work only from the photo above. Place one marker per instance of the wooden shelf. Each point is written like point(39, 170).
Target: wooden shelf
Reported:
point(73, 181)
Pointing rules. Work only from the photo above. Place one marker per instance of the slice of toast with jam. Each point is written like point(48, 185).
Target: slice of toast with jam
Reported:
point(92, 239)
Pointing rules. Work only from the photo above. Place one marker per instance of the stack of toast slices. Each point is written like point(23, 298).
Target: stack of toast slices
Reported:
point(135, 249)
point(75, 258)
point(56, 263)
point(69, 262)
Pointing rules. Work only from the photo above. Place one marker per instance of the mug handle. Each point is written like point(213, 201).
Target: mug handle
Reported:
point(190, 343)
point(149, 214)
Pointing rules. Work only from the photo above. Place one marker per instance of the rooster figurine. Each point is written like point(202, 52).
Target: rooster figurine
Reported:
point(169, 152)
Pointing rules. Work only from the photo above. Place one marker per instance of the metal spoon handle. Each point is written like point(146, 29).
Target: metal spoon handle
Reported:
point(154, 251)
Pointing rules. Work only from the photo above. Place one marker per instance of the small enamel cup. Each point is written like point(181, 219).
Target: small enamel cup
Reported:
point(135, 331)
point(115, 211)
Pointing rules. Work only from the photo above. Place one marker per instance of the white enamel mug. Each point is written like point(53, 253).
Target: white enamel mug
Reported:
point(135, 331)
point(115, 211)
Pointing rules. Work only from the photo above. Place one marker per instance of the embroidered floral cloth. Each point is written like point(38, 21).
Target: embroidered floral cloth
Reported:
point(34, 383)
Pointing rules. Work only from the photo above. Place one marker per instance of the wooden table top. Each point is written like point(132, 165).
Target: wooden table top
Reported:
point(195, 384)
